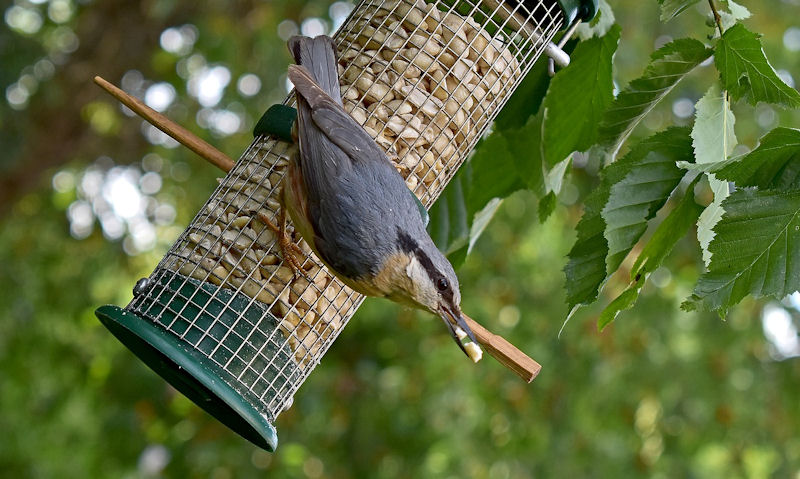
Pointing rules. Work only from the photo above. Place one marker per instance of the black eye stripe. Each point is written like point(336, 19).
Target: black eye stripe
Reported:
point(409, 245)
point(427, 265)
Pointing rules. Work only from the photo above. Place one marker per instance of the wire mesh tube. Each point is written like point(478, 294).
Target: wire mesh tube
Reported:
point(425, 80)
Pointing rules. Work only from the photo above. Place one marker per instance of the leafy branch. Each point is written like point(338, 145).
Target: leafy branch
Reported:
point(747, 237)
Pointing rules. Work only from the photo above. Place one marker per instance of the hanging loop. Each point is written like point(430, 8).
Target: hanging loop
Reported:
point(556, 54)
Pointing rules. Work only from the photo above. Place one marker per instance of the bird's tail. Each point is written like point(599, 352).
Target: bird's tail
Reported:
point(318, 56)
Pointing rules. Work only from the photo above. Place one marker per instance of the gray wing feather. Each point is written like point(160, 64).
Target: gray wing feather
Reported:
point(318, 55)
point(333, 121)
point(347, 134)
point(356, 199)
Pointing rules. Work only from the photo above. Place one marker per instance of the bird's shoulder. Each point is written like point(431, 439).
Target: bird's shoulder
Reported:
point(346, 133)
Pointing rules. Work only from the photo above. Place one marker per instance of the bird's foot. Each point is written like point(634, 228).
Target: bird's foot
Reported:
point(292, 254)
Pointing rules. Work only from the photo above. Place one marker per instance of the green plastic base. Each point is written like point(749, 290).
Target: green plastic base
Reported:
point(191, 373)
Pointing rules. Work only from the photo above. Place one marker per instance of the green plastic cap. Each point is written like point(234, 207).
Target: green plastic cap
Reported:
point(277, 121)
point(583, 10)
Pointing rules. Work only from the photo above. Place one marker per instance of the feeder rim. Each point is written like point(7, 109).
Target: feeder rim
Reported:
point(167, 356)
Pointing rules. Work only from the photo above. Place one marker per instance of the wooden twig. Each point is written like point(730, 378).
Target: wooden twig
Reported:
point(503, 351)
point(179, 133)
point(717, 18)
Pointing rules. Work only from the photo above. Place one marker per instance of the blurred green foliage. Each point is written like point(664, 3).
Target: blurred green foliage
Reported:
point(660, 393)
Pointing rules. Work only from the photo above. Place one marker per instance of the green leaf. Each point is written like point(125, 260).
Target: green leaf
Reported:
point(586, 269)
point(577, 97)
point(756, 251)
point(525, 143)
point(630, 193)
point(526, 99)
point(472, 197)
point(746, 73)
point(668, 65)
point(624, 301)
point(546, 206)
point(672, 8)
point(491, 164)
point(673, 228)
point(713, 139)
point(636, 199)
point(774, 164)
point(449, 225)
point(669, 232)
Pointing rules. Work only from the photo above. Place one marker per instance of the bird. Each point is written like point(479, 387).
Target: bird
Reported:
point(353, 207)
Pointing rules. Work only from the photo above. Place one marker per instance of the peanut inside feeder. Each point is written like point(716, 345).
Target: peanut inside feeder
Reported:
point(425, 80)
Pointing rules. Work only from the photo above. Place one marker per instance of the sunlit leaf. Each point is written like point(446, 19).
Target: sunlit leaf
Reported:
point(600, 24)
point(774, 164)
point(713, 136)
point(480, 221)
point(554, 179)
point(713, 139)
point(449, 226)
point(735, 13)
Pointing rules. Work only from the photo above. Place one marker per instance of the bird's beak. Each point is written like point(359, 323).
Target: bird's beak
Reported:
point(459, 330)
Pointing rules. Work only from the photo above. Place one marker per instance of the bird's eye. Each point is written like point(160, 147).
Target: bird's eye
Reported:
point(442, 284)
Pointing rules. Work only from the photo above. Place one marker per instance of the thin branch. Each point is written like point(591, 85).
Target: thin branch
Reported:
point(717, 18)
point(179, 133)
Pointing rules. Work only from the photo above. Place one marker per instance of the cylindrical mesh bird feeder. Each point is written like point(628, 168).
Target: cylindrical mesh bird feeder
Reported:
point(221, 317)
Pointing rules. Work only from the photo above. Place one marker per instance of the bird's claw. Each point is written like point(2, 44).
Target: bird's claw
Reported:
point(290, 251)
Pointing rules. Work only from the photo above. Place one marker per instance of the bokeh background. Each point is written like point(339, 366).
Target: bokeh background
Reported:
point(91, 197)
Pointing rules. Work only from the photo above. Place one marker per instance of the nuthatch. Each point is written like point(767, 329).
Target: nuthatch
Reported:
point(352, 207)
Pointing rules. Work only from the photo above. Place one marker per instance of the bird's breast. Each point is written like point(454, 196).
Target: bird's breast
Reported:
point(392, 276)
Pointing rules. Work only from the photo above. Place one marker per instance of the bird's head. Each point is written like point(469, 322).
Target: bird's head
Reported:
point(429, 282)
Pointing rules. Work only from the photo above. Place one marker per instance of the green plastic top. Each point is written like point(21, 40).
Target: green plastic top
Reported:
point(278, 120)
point(584, 10)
